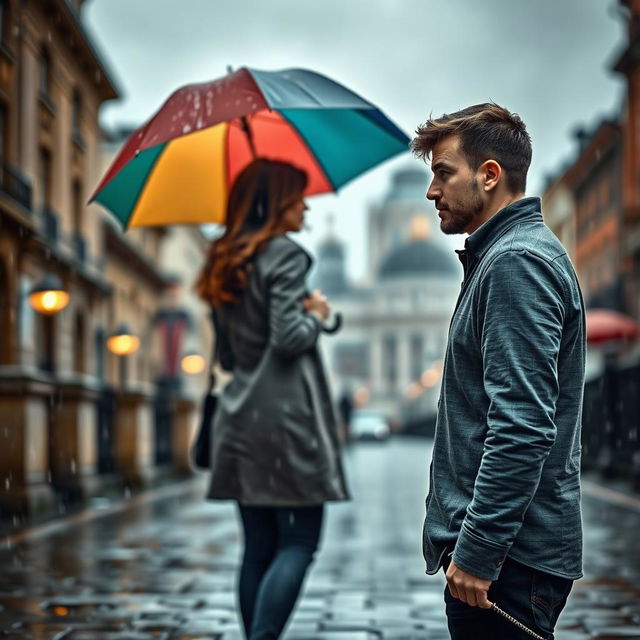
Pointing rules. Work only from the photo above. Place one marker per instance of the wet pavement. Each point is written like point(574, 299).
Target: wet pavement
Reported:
point(162, 566)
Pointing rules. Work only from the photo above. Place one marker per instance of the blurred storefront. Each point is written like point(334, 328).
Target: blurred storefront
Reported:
point(593, 205)
point(75, 417)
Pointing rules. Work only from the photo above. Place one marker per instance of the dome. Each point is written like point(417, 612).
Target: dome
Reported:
point(420, 258)
point(408, 183)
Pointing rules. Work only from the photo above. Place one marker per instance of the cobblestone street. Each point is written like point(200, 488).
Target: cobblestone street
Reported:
point(162, 566)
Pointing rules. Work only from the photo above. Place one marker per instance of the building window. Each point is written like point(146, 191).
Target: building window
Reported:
point(5, 316)
point(100, 341)
point(416, 346)
point(79, 341)
point(3, 131)
point(78, 208)
point(3, 21)
point(44, 73)
point(76, 114)
point(46, 343)
point(352, 360)
point(44, 176)
point(389, 361)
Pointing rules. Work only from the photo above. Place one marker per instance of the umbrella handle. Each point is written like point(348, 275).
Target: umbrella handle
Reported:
point(335, 326)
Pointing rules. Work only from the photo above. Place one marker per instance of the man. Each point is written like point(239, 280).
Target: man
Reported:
point(503, 511)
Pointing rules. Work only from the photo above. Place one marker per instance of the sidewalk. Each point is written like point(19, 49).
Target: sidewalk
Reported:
point(162, 566)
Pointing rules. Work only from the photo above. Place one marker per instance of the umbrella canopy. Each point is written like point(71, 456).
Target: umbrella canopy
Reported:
point(178, 167)
point(605, 324)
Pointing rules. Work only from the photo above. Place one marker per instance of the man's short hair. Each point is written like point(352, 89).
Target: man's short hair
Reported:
point(487, 132)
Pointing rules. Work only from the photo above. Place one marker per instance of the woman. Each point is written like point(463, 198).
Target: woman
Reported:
point(275, 443)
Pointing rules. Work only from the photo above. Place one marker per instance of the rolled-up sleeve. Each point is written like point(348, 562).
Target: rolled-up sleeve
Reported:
point(521, 313)
point(292, 330)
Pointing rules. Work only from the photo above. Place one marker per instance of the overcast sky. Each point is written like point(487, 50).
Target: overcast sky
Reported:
point(548, 60)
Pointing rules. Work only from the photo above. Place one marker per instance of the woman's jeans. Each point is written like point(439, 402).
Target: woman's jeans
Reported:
point(533, 597)
point(279, 546)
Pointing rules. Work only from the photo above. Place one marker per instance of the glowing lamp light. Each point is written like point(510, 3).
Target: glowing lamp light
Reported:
point(430, 377)
point(413, 391)
point(48, 296)
point(193, 363)
point(122, 342)
point(361, 396)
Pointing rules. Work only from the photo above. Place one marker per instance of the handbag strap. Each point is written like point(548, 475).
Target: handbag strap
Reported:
point(216, 350)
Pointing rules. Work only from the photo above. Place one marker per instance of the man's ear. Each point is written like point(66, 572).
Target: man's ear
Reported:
point(490, 174)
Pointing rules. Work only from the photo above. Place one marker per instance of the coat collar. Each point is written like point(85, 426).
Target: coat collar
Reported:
point(525, 210)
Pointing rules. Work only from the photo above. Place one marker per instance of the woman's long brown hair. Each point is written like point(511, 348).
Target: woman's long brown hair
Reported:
point(259, 196)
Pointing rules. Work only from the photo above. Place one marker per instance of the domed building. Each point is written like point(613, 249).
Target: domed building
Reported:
point(389, 352)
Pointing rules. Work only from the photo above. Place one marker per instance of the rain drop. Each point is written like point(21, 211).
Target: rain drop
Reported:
point(292, 518)
point(7, 483)
point(186, 128)
point(73, 466)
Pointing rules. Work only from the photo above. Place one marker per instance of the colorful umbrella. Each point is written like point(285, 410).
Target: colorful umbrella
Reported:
point(177, 168)
point(604, 325)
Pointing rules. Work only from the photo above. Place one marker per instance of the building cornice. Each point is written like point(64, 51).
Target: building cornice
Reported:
point(79, 42)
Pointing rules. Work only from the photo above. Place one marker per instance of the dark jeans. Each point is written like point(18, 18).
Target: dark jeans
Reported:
point(279, 546)
point(533, 597)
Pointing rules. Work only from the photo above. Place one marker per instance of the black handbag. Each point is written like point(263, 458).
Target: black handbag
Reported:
point(201, 448)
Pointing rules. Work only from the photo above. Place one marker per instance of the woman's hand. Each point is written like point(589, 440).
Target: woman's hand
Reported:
point(316, 304)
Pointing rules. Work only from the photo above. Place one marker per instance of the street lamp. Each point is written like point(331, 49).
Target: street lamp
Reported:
point(48, 296)
point(193, 363)
point(122, 342)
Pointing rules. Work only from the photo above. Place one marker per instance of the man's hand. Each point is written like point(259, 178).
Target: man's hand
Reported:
point(468, 588)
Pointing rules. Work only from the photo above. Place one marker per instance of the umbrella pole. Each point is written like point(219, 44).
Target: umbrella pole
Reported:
point(244, 123)
point(247, 130)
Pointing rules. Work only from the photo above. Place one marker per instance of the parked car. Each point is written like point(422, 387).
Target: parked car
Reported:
point(367, 424)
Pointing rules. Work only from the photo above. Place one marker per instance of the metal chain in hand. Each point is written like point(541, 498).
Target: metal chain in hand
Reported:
point(517, 623)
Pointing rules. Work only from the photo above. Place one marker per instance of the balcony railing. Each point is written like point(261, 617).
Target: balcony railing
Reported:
point(15, 185)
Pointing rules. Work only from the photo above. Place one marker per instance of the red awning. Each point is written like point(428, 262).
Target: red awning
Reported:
point(605, 324)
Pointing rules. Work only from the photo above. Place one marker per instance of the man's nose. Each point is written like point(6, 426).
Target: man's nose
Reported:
point(432, 192)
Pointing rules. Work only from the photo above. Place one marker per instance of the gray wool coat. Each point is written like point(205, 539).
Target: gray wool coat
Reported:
point(275, 435)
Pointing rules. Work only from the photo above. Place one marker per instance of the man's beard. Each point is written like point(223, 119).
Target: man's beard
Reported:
point(466, 210)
